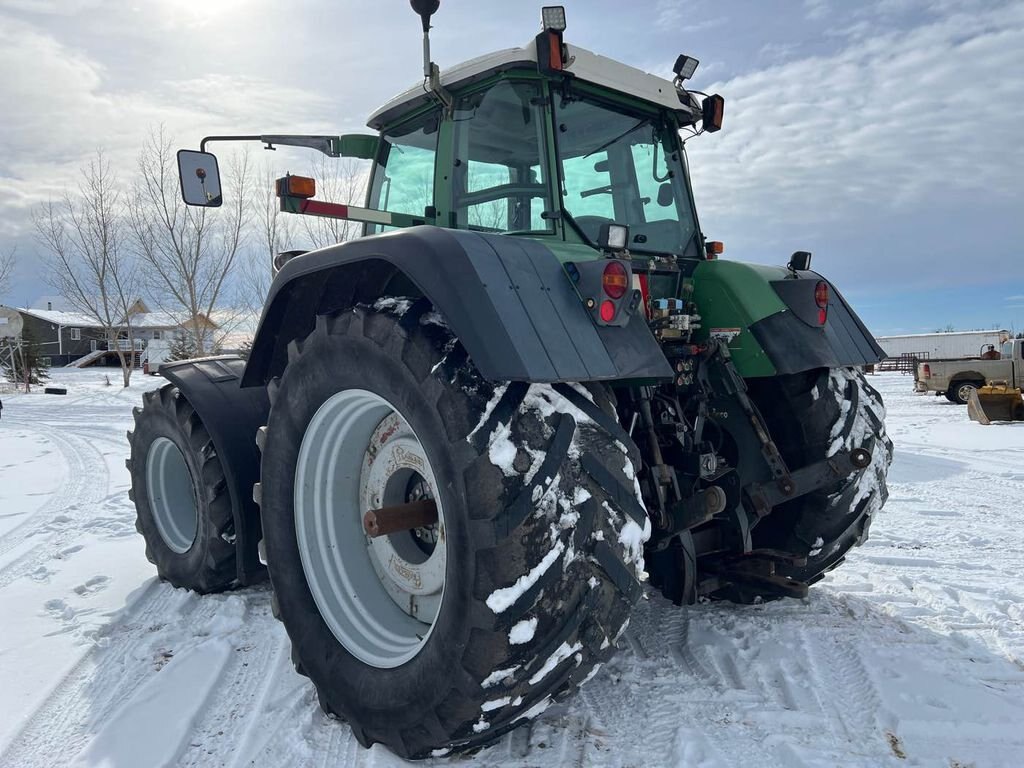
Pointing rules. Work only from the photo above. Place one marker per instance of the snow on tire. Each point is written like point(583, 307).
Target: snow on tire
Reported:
point(539, 512)
point(813, 416)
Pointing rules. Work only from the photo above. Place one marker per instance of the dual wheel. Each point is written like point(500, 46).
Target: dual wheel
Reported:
point(443, 635)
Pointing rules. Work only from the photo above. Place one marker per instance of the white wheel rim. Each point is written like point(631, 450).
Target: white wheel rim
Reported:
point(965, 391)
point(379, 596)
point(172, 499)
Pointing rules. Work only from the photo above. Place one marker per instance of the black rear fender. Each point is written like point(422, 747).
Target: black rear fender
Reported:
point(507, 299)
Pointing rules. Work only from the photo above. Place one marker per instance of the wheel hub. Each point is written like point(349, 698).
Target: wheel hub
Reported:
point(379, 595)
point(172, 499)
point(964, 392)
point(409, 564)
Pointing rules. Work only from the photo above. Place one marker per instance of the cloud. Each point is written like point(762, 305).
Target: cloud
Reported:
point(905, 126)
point(68, 103)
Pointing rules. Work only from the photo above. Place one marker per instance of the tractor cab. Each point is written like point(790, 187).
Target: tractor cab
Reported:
point(542, 154)
point(549, 141)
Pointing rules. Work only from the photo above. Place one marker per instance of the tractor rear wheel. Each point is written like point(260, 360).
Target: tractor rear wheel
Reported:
point(811, 416)
point(443, 637)
point(180, 493)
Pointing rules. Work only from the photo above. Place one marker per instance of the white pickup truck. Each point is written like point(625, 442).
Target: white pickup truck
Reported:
point(956, 378)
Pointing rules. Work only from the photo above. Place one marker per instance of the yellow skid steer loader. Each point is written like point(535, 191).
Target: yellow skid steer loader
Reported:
point(995, 402)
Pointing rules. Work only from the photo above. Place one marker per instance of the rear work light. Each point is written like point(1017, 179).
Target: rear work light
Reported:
point(821, 299)
point(614, 281)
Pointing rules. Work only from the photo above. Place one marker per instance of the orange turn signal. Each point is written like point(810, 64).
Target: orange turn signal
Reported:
point(296, 186)
point(554, 50)
point(714, 248)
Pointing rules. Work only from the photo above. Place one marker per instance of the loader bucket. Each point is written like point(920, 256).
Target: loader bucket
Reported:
point(995, 402)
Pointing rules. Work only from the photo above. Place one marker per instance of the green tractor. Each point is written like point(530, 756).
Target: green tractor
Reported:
point(462, 443)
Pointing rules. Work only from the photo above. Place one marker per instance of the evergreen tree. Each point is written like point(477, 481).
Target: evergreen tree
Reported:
point(182, 347)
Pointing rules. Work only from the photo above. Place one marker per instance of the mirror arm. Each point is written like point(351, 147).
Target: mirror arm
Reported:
point(326, 144)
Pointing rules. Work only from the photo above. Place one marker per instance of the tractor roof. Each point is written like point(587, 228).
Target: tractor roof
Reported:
point(587, 66)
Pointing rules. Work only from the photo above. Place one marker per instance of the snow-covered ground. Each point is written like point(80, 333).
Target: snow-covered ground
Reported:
point(912, 653)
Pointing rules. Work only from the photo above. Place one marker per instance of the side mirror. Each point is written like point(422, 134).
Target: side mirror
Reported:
point(200, 178)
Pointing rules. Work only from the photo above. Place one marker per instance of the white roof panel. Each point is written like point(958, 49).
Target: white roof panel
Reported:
point(587, 66)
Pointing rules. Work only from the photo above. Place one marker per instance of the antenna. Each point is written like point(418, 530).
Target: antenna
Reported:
point(425, 9)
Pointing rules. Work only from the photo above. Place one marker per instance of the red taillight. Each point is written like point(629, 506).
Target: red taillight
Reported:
point(821, 294)
point(821, 299)
point(926, 371)
point(607, 310)
point(615, 282)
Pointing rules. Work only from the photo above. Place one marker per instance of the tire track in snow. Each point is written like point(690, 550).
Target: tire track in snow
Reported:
point(125, 654)
point(252, 678)
point(837, 667)
point(58, 523)
point(76, 482)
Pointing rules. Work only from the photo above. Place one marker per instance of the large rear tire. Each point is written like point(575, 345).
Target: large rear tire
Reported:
point(811, 416)
point(540, 524)
point(181, 498)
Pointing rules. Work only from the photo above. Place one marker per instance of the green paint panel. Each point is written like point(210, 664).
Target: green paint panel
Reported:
point(357, 145)
point(732, 296)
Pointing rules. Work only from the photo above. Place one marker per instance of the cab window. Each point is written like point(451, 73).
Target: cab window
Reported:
point(403, 179)
point(499, 181)
point(624, 166)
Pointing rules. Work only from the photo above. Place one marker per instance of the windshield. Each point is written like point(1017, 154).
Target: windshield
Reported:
point(621, 167)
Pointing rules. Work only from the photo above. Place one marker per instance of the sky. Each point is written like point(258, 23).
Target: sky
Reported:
point(884, 136)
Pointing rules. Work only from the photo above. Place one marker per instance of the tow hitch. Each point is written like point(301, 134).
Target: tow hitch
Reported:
point(764, 496)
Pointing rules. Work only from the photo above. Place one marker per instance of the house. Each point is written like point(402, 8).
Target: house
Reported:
point(70, 338)
point(62, 336)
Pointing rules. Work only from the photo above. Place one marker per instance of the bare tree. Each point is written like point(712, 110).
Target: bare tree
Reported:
point(338, 181)
point(7, 260)
point(88, 263)
point(188, 253)
point(275, 232)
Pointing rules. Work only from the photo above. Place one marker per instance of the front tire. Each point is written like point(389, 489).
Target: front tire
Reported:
point(183, 509)
point(539, 520)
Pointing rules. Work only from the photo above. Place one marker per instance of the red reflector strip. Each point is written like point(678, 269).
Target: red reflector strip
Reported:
point(645, 293)
point(822, 316)
point(341, 211)
point(320, 208)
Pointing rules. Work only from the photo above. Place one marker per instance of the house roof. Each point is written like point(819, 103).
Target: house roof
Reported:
point(75, 319)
